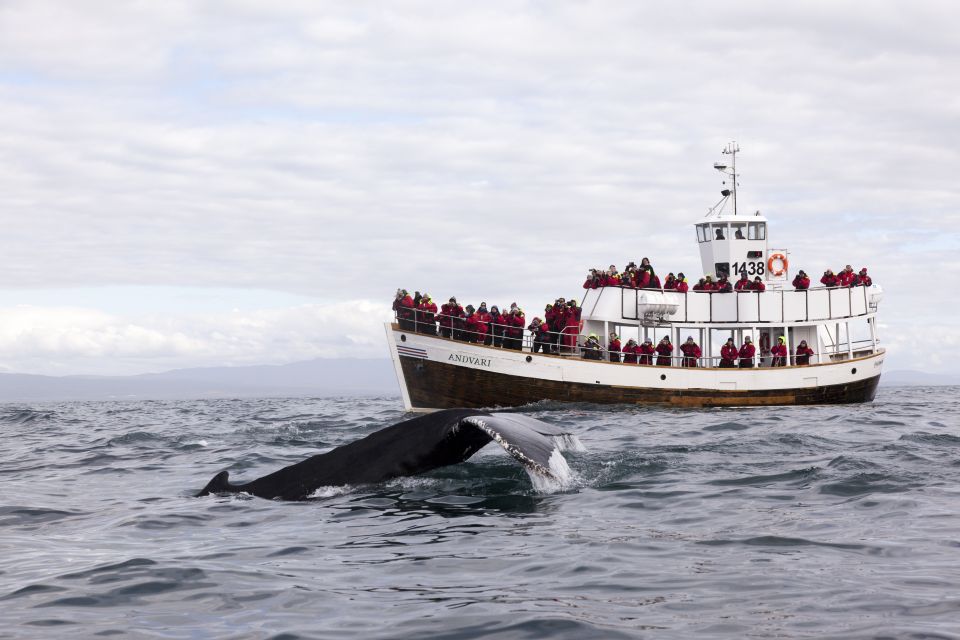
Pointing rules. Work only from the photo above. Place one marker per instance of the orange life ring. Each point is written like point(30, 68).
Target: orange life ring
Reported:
point(783, 259)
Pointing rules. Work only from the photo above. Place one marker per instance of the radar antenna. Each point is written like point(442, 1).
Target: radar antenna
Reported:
point(730, 150)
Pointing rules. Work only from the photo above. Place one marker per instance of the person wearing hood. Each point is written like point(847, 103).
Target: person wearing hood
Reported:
point(779, 353)
point(728, 354)
point(757, 285)
point(475, 327)
point(613, 347)
point(865, 280)
point(630, 352)
point(664, 352)
point(428, 315)
point(645, 352)
point(802, 281)
point(449, 312)
point(802, 354)
point(747, 351)
point(670, 283)
point(403, 305)
point(691, 353)
point(495, 330)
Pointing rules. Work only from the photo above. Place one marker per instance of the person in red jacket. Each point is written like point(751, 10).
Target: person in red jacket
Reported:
point(709, 284)
point(682, 285)
point(405, 311)
point(743, 283)
point(779, 353)
point(691, 353)
point(802, 281)
point(701, 285)
point(757, 284)
point(802, 355)
point(865, 280)
point(513, 334)
point(450, 312)
point(723, 285)
point(747, 351)
point(474, 327)
point(594, 280)
point(728, 354)
point(664, 352)
point(654, 281)
point(643, 279)
point(571, 327)
point(541, 338)
point(428, 315)
point(845, 277)
point(613, 347)
point(829, 279)
point(646, 351)
point(630, 352)
point(670, 283)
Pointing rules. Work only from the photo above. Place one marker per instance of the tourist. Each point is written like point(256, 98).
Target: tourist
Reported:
point(691, 353)
point(728, 354)
point(757, 284)
point(829, 279)
point(428, 314)
point(802, 354)
point(474, 328)
point(592, 349)
point(448, 312)
point(646, 350)
point(747, 351)
point(802, 281)
point(845, 277)
point(779, 353)
point(613, 347)
point(723, 285)
point(541, 336)
point(682, 285)
point(664, 352)
point(670, 283)
point(630, 352)
point(495, 335)
point(865, 280)
point(743, 284)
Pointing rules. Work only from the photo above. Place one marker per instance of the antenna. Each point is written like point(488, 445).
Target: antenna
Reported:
point(731, 150)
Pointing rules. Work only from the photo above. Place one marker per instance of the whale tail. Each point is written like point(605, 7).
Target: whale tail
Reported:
point(219, 484)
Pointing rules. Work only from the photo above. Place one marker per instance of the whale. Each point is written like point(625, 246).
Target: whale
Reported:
point(415, 446)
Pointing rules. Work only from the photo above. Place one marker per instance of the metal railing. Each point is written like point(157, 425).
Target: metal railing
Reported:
point(570, 344)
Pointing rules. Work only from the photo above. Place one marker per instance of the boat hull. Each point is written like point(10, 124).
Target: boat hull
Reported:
point(436, 373)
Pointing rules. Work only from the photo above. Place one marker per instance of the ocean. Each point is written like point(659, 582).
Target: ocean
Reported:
point(786, 522)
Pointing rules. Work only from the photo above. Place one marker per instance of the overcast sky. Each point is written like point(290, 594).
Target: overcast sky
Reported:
point(202, 183)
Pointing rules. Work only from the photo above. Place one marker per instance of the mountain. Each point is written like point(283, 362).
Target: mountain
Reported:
point(321, 377)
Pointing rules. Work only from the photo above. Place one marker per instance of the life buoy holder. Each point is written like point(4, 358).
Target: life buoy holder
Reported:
point(783, 261)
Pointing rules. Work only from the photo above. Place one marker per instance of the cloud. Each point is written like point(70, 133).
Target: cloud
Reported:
point(73, 340)
point(496, 149)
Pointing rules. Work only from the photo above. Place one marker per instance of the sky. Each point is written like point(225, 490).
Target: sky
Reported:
point(189, 183)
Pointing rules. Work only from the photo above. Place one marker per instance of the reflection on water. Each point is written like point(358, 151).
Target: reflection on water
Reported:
point(792, 522)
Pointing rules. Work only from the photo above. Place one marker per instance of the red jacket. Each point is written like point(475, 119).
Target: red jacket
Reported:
point(646, 351)
point(803, 355)
point(515, 323)
point(428, 311)
point(682, 287)
point(476, 327)
point(801, 282)
point(866, 280)
point(747, 351)
point(829, 281)
point(729, 352)
point(611, 281)
point(757, 286)
point(654, 283)
point(448, 312)
point(614, 345)
point(670, 283)
point(690, 354)
point(630, 353)
point(643, 279)
point(742, 283)
point(664, 351)
point(844, 278)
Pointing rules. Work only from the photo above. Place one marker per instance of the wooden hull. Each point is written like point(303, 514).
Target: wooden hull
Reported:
point(439, 385)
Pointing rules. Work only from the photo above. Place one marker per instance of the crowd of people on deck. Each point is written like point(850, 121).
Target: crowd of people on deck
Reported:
point(558, 331)
point(643, 276)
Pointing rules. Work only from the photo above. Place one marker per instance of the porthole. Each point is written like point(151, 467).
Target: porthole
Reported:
point(854, 370)
point(663, 376)
point(529, 358)
point(403, 338)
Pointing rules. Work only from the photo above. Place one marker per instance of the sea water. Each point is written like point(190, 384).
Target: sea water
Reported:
point(835, 521)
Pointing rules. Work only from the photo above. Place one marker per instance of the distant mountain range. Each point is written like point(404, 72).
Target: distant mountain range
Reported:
point(321, 377)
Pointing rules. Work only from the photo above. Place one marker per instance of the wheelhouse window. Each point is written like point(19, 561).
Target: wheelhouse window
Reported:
point(738, 229)
point(757, 231)
point(719, 230)
point(703, 233)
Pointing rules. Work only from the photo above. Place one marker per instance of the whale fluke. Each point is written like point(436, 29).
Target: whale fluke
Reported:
point(415, 446)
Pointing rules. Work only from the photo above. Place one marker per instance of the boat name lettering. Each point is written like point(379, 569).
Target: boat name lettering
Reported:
point(482, 362)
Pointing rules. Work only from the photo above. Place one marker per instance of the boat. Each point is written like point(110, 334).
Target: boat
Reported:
point(838, 323)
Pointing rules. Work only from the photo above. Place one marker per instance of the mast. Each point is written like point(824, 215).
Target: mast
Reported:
point(731, 150)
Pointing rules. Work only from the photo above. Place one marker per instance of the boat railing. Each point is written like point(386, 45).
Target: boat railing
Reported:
point(570, 343)
point(770, 306)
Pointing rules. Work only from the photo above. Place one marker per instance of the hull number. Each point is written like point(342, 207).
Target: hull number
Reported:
point(749, 268)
